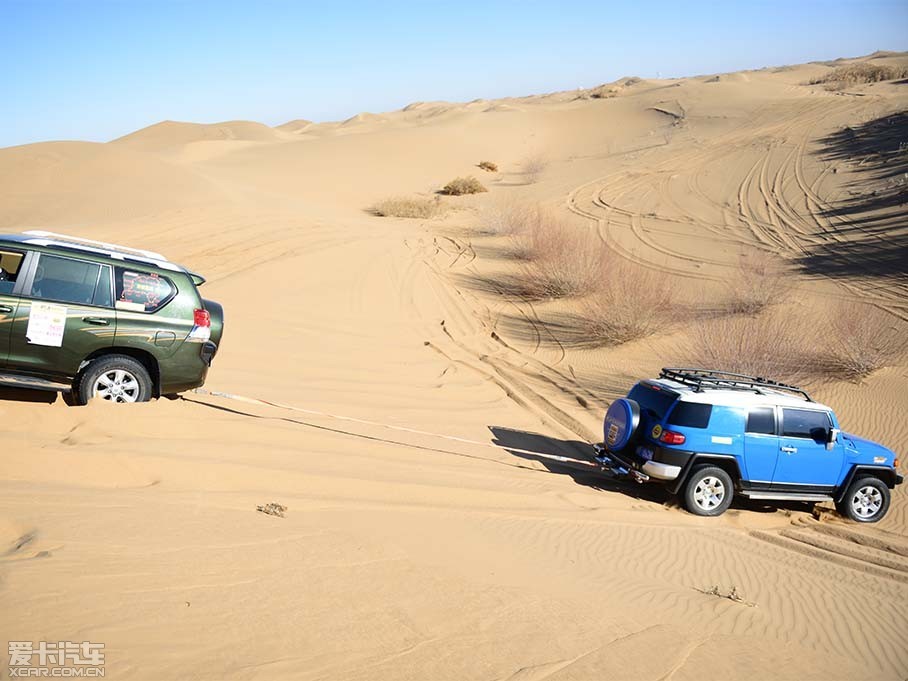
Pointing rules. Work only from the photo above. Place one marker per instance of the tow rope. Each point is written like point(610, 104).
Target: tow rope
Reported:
point(387, 426)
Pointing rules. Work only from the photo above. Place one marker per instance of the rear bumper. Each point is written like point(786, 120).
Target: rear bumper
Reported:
point(187, 368)
point(182, 385)
point(657, 463)
point(899, 479)
point(661, 471)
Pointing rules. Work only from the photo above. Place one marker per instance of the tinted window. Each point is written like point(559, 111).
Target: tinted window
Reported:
point(65, 280)
point(654, 402)
point(103, 294)
point(804, 423)
point(142, 291)
point(691, 414)
point(761, 420)
point(10, 261)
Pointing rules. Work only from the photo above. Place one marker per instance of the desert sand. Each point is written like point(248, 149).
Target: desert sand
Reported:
point(402, 555)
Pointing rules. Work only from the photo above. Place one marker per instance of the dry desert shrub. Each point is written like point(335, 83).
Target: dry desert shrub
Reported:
point(625, 301)
point(604, 92)
point(404, 207)
point(860, 339)
point(759, 281)
point(537, 232)
point(508, 218)
point(850, 342)
point(533, 167)
point(534, 231)
point(489, 166)
point(560, 259)
point(463, 185)
point(855, 74)
point(771, 345)
point(630, 302)
point(566, 265)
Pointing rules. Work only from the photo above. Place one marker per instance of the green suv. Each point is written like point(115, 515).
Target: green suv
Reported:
point(101, 320)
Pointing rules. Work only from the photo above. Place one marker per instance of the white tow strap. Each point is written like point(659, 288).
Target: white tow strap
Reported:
point(403, 429)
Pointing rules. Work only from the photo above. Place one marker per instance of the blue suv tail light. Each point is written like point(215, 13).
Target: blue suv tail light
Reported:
point(670, 437)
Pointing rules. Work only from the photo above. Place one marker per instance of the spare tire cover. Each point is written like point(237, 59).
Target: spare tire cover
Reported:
point(621, 421)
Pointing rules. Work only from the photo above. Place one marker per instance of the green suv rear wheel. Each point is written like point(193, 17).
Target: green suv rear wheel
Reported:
point(116, 378)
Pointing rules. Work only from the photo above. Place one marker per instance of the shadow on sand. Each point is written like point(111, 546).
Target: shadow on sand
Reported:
point(8, 394)
point(513, 440)
point(873, 221)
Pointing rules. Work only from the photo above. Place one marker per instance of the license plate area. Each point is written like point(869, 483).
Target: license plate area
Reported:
point(645, 453)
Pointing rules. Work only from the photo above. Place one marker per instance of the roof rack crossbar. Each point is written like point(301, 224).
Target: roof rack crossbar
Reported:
point(701, 379)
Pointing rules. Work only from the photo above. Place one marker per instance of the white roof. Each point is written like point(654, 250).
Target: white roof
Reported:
point(115, 251)
point(767, 397)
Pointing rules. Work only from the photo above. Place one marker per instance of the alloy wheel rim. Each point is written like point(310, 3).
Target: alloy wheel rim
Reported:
point(709, 493)
point(867, 501)
point(116, 385)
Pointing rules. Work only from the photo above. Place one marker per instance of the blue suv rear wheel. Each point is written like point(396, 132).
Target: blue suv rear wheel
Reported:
point(708, 491)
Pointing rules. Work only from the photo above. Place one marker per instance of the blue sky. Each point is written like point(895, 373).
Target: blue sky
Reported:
point(72, 69)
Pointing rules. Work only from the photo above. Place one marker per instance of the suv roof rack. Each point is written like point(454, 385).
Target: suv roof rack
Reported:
point(116, 251)
point(702, 379)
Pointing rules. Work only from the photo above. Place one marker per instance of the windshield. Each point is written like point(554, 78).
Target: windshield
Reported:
point(653, 402)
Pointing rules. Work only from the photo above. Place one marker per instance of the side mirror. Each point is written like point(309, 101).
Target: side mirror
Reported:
point(832, 438)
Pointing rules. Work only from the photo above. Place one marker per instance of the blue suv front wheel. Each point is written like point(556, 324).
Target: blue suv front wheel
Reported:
point(866, 500)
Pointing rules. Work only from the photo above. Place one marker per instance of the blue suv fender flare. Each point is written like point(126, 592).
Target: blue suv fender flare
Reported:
point(887, 475)
point(724, 461)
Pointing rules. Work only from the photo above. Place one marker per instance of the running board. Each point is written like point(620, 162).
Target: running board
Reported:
point(33, 383)
point(785, 496)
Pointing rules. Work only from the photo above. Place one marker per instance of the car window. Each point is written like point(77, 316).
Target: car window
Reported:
point(103, 291)
point(142, 291)
point(65, 280)
point(761, 420)
point(805, 423)
point(655, 402)
point(691, 414)
point(10, 262)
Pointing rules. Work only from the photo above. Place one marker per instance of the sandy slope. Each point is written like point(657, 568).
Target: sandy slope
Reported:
point(407, 556)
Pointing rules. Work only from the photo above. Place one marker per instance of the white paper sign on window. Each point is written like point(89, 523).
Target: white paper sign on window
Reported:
point(46, 324)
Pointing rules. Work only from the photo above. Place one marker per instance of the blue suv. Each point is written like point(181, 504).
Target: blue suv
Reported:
point(709, 435)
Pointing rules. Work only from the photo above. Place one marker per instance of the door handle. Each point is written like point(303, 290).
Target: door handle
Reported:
point(6, 308)
point(99, 321)
point(790, 450)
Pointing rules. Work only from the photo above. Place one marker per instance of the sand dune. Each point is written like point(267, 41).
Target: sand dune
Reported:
point(297, 125)
point(168, 134)
point(72, 183)
point(404, 555)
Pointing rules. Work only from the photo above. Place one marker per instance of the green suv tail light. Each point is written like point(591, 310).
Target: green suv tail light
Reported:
point(201, 318)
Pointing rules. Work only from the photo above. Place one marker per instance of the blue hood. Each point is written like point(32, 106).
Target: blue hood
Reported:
point(869, 451)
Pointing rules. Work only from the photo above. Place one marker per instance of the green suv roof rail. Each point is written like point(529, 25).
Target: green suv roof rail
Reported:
point(52, 239)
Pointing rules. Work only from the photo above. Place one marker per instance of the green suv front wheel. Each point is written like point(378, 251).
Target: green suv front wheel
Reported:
point(115, 378)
